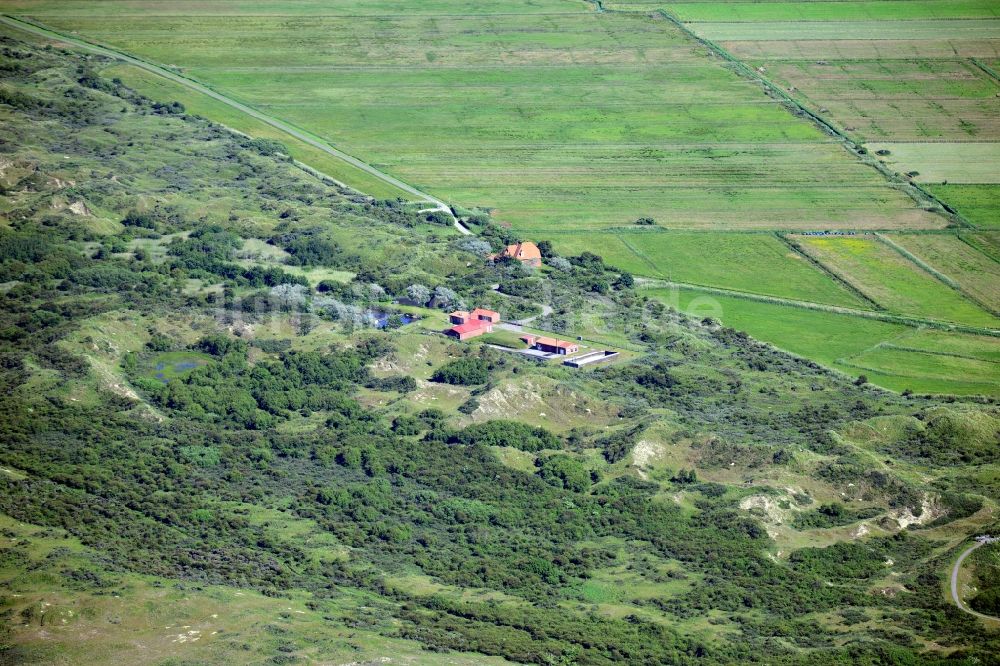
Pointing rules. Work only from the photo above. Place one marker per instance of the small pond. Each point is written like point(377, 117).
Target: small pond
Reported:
point(171, 365)
point(381, 317)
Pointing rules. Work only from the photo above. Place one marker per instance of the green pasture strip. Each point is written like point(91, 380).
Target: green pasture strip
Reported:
point(891, 280)
point(826, 337)
point(979, 204)
point(962, 266)
point(943, 162)
point(920, 29)
point(830, 11)
point(981, 347)
point(811, 50)
point(753, 263)
point(289, 8)
point(966, 376)
point(888, 317)
point(987, 242)
point(914, 100)
point(160, 89)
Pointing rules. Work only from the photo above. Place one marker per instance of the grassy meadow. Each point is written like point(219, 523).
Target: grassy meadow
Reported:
point(848, 10)
point(890, 355)
point(944, 162)
point(979, 204)
point(912, 78)
point(563, 118)
point(976, 273)
point(758, 263)
point(893, 281)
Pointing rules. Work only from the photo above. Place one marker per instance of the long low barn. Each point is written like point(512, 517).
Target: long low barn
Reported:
point(550, 345)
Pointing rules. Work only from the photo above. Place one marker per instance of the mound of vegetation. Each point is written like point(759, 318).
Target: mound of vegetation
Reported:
point(834, 514)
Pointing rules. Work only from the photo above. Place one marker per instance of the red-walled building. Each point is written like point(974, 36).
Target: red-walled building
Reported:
point(551, 345)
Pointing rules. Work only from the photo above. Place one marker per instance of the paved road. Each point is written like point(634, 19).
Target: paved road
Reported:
point(250, 111)
point(954, 583)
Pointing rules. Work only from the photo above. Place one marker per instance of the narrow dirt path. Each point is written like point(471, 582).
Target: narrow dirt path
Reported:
point(955, 596)
point(301, 135)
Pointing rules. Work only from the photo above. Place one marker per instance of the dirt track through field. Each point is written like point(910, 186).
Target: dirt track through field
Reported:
point(254, 113)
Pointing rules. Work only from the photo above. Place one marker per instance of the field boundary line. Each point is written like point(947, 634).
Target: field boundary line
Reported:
point(983, 251)
point(297, 133)
point(935, 273)
point(642, 257)
point(901, 375)
point(887, 317)
point(919, 195)
point(836, 277)
point(986, 68)
point(846, 278)
point(917, 350)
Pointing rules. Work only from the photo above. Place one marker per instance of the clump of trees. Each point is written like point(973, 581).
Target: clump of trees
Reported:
point(467, 371)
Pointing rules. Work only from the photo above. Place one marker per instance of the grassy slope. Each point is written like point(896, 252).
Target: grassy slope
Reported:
point(141, 619)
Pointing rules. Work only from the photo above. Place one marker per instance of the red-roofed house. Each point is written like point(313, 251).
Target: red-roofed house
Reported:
point(486, 315)
point(526, 252)
point(479, 314)
point(471, 324)
point(470, 329)
point(551, 345)
point(459, 317)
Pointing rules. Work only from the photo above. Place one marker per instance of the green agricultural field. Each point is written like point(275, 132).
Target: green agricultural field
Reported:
point(893, 281)
point(896, 74)
point(960, 163)
point(979, 204)
point(927, 369)
point(850, 48)
point(977, 274)
point(554, 119)
point(836, 340)
point(980, 347)
point(823, 30)
point(987, 242)
point(847, 10)
point(290, 8)
point(753, 263)
point(896, 100)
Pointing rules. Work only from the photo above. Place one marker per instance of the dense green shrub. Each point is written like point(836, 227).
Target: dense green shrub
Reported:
point(464, 371)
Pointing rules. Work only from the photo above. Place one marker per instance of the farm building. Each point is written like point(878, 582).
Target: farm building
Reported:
point(459, 317)
point(479, 314)
point(551, 345)
point(526, 252)
point(470, 329)
point(471, 324)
